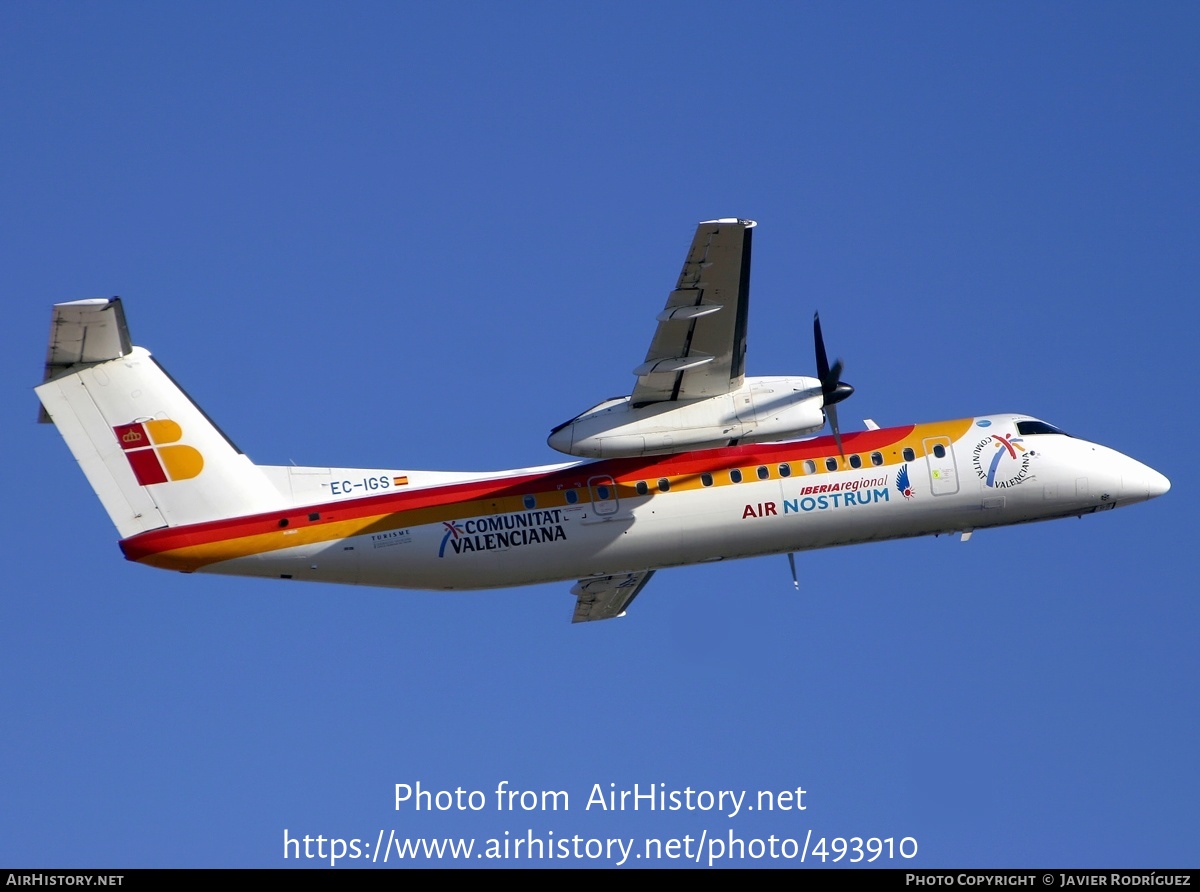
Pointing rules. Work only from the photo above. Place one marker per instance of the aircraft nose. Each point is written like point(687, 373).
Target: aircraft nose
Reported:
point(1156, 484)
point(1143, 482)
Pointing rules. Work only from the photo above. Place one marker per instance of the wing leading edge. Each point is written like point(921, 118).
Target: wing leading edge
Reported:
point(699, 347)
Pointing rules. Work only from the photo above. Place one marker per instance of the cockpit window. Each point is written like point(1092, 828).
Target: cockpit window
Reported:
point(1029, 428)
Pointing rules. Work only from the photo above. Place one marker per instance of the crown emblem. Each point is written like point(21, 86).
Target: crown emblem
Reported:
point(131, 436)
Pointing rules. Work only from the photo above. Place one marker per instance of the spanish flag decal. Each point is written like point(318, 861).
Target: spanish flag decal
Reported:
point(154, 454)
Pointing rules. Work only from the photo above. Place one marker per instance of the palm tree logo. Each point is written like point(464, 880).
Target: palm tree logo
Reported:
point(453, 528)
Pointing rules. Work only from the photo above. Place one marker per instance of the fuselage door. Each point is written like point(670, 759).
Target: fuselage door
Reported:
point(943, 475)
point(604, 495)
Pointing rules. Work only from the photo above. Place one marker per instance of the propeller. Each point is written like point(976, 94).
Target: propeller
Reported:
point(833, 389)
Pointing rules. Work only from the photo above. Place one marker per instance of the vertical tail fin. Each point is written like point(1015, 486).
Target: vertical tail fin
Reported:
point(151, 454)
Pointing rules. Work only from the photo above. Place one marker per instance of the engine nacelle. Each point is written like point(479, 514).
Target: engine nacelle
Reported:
point(762, 409)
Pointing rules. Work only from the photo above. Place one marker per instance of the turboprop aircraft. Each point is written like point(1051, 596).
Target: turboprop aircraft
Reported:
point(699, 463)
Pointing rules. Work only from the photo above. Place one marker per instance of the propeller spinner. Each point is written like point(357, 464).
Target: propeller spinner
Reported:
point(833, 389)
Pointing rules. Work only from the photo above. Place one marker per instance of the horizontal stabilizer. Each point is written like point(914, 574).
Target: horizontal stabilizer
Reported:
point(84, 331)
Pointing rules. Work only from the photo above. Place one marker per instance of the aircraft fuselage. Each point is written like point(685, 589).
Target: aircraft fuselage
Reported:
point(594, 519)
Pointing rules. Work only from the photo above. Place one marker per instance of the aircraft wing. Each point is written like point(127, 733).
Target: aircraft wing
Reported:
point(607, 596)
point(699, 348)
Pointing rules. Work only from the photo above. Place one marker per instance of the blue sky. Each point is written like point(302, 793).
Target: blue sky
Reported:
point(389, 235)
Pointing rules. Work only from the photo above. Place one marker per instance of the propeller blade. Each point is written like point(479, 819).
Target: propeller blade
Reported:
point(822, 359)
point(831, 414)
point(833, 388)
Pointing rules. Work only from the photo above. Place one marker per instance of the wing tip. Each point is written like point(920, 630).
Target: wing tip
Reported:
point(729, 221)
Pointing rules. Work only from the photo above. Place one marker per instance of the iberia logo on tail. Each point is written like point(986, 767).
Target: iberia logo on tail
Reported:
point(154, 452)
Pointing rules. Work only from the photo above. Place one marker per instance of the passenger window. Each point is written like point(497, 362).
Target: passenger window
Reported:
point(663, 484)
point(785, 470)
point(939, 450)
point(856, 461)
point(706, 479)
point(876, 458)
point(641, 488)
point(530, 502)
point(831, 464)
point(762, 472)
point(810, 466)
point(602, 492)
point(735, 475)
point(572, 497)
point(908, 454)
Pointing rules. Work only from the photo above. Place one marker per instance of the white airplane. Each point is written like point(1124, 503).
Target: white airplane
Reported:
point(695, 465)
